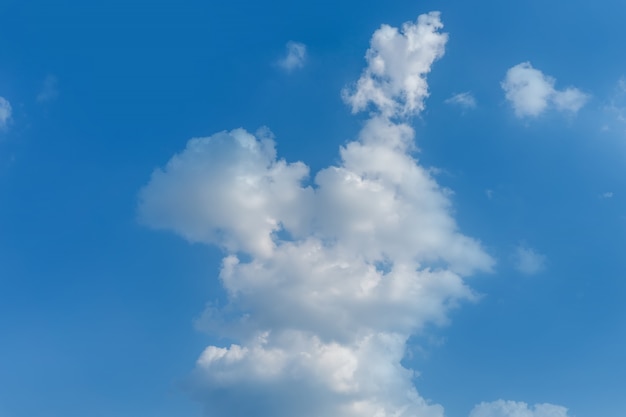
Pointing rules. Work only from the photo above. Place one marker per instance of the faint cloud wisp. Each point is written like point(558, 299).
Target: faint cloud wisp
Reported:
point(503, 408)
point(5, 112)
point(295, 56)
point(50, 89)
point(617, 104)
point(464, 100)
point(528, 261)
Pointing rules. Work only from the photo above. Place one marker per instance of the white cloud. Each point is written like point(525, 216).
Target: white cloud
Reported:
point(227, 189)
point(531, 92)
point(464, 100)
point(325, 283)
point(608, 194)
point(528, 261)
point(5, 112)
point(50, 89)
point(295, 57)
point(394, 81)
point(503, 408)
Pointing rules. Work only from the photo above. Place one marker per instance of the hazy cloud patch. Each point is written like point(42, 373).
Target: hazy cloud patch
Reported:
point(295, 56)
point(5, 112)
point(528, 261)
point(50, 89)
point(616, 106)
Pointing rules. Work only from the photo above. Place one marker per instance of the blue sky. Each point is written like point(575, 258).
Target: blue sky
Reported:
point(111, 301)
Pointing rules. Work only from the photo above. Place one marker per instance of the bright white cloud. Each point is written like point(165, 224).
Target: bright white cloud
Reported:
point(227, 189)
point(531, 92)
point(464, 100)
point(325, 283)
point(295, 56)
point(50, 90)
point(5, 112)
point(503, 408)
point(394, 81)
point(528, 261)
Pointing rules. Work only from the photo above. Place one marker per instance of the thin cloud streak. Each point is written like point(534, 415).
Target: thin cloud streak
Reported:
point(503, 408)
point(464, 100)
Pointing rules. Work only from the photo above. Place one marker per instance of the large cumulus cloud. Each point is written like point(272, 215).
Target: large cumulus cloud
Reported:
point(325, 282)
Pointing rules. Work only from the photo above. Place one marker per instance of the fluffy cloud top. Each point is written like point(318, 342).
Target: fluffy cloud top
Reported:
point(502, 408)
point(5, 112)
point(295, 57)
point(528, 261)
point(531, 92)
point(228, 190)
point(464, 100)
point(394, 81)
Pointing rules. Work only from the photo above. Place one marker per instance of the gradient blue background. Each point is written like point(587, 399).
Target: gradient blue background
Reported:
point(96, 312)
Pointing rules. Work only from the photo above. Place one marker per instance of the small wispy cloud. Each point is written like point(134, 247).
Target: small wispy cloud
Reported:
point(531, 92)
point(5, 112)
point(503, 408)
point(528, 261)
point(464, 100)
point(295, 56)
point(50, 89)
point(608, 194)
